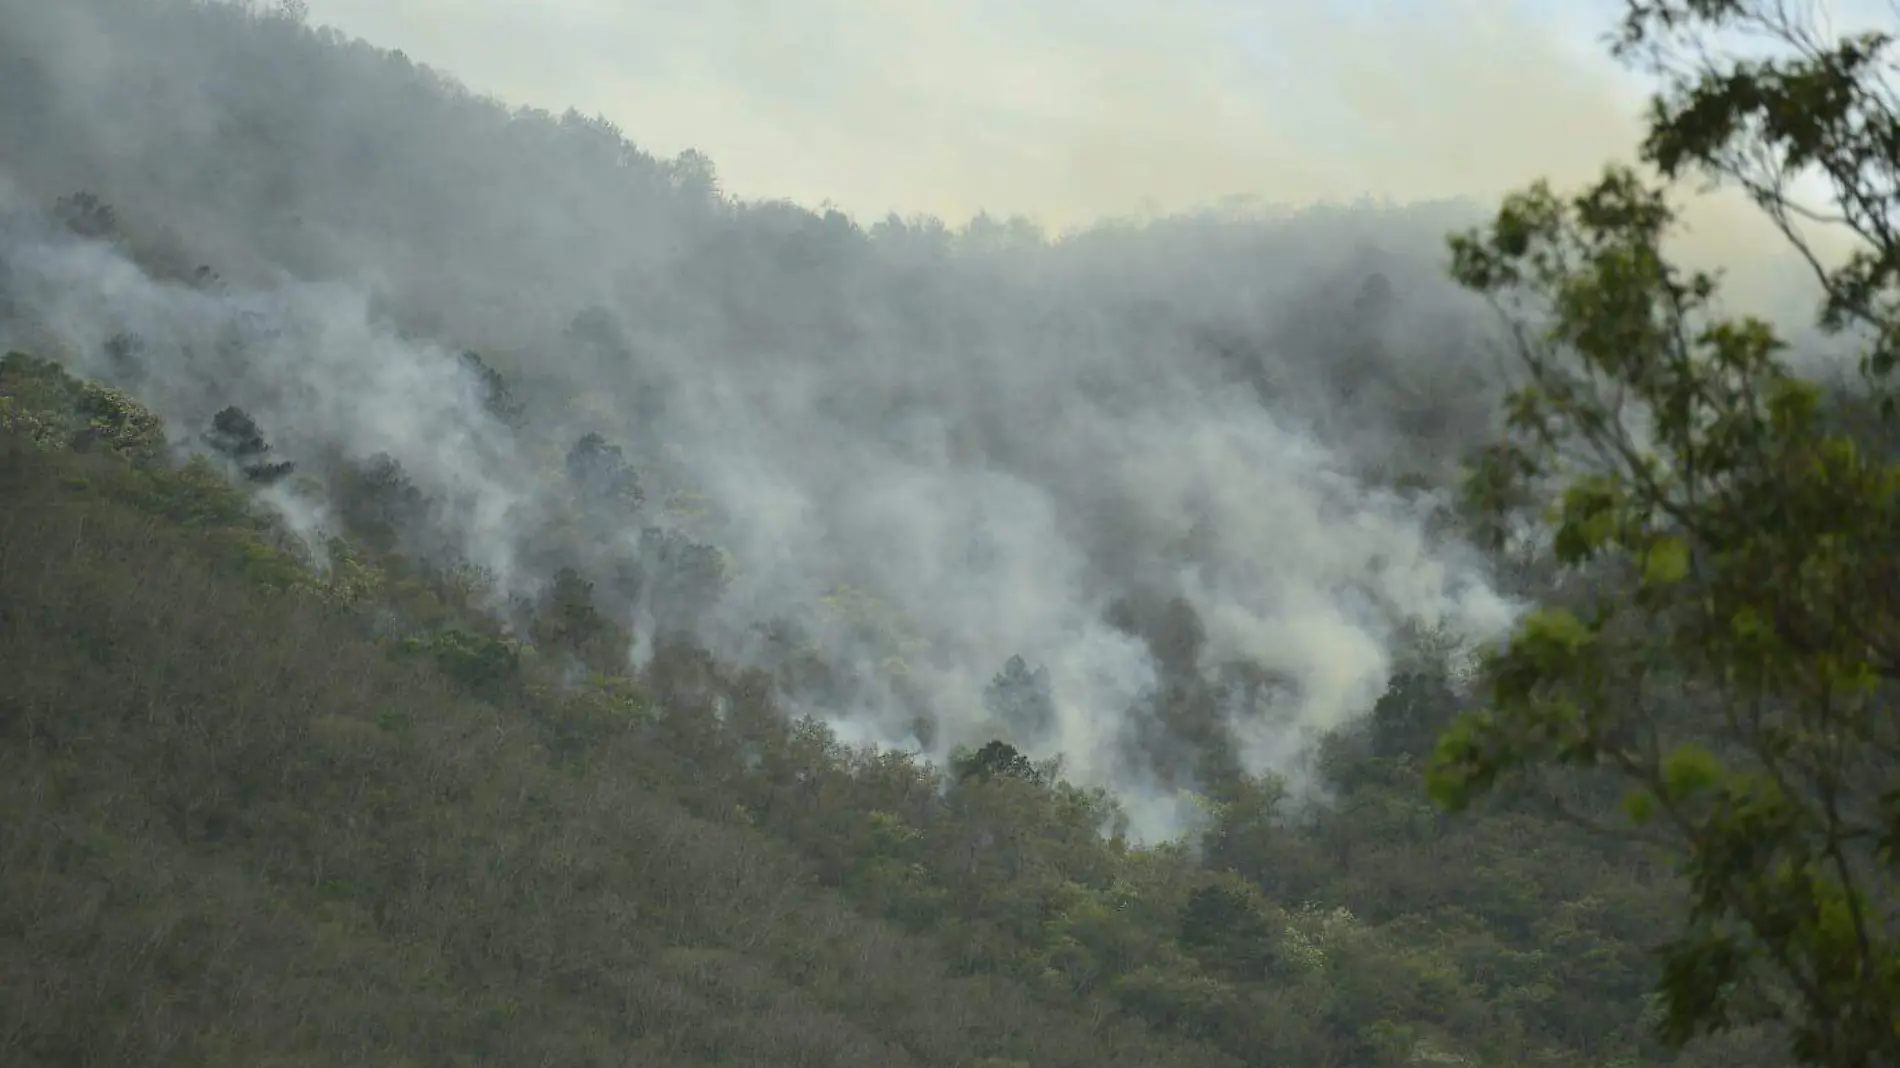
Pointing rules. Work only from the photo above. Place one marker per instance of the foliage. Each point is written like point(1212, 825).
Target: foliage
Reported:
point(569, 621)
point(1224, 925)
point(39, 398)
point(485, 666)
point(1730, 652)
point(376, 501)
point(993, 759)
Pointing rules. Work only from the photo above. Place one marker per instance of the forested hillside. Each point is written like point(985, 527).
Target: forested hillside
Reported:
point(472, 593)
point(250, 821)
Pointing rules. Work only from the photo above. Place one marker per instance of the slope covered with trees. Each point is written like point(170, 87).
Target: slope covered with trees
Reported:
point(241, 827)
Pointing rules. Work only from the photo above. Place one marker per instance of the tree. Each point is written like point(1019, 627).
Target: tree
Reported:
point(681, 577)
point(693, 174)
point(997, 759)
point(126, 352)
point(1021, 698)
point(87, 216)
point(569, 621)
point(1727, 639)
point(1223, 927)
point(377, 502)
point(1407, 718)
point(497, 398)
point(234, 435)
point(485, 666)
point(119, 424)
point(602, 474)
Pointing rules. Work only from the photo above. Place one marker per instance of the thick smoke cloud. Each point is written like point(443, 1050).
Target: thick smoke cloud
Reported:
point(1200, 451)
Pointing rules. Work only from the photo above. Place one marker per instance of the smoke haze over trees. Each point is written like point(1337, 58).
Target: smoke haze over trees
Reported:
point(474, 591)
point(1148, 460)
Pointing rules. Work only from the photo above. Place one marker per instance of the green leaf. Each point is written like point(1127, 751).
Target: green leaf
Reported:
point(1667, 562)
point(1556, 627)
point(1689, 770)
point(1640, 805)
point(1461, 765)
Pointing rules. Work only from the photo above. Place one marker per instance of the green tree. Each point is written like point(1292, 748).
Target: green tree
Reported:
point(1728, 638)
point(569, 621)
point(997, 758)
point(376, 501)
point(485, 666)
point(1223, 926)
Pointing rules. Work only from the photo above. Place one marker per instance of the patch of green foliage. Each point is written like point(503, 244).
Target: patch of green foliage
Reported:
point(483, 665)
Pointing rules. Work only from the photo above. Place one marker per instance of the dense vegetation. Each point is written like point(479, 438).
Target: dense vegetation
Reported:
point(240, 828)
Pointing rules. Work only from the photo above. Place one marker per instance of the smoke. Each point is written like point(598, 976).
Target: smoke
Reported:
point(1062, 112)
point(1068, 114)
point(1188, 469)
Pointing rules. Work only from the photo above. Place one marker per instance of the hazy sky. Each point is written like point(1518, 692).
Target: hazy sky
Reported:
point(1059, 109)
point(1065, 110)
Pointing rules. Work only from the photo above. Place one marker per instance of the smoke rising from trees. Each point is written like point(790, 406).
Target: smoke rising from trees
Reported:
point(1164, 499)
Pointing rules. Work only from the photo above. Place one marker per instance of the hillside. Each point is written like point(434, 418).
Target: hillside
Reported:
point(471, 593)
point(239, 830)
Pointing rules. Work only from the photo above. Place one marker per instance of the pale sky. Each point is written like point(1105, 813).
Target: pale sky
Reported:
point(1064, 110)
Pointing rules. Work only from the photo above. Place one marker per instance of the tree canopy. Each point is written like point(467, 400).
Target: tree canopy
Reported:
point(1728, 638)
